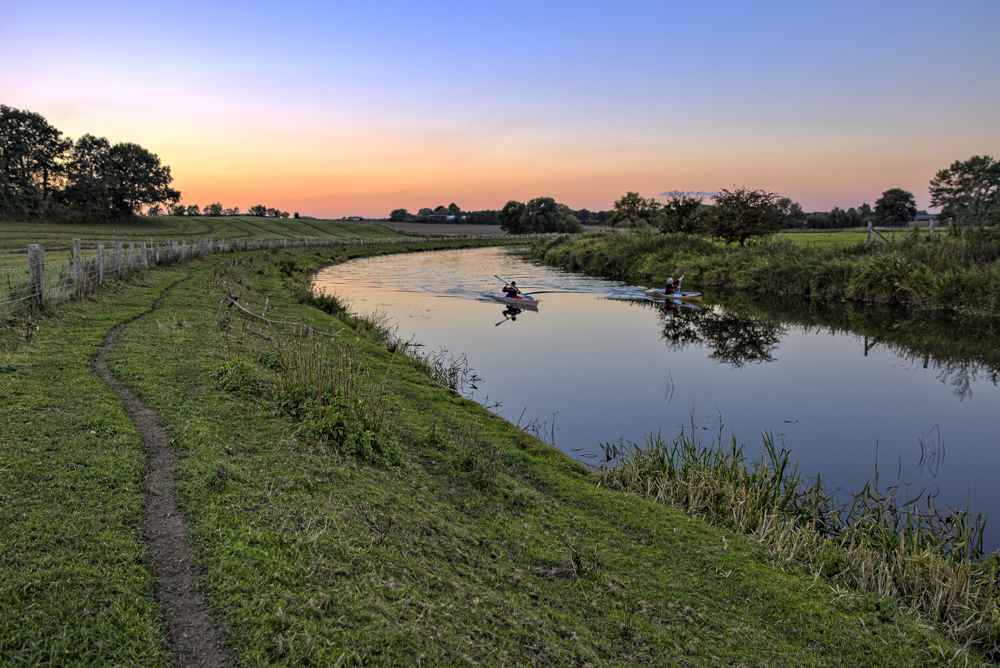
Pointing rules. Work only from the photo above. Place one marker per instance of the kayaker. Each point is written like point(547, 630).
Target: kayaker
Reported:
point(511, 290)
point(671, 286)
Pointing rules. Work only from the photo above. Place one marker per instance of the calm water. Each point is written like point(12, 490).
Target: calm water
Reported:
point(598, 363)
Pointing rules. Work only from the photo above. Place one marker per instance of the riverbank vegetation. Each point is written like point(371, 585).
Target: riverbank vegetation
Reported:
point(958, 272)
point(454, 539)
point(909, 552)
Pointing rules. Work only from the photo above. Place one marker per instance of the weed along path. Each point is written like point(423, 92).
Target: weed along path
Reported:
point(194, 639)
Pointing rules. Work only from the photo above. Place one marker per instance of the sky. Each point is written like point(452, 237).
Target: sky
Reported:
point(333, 108)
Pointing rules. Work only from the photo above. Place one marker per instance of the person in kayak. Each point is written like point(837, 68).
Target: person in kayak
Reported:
point(511, 290)
point(671, 286)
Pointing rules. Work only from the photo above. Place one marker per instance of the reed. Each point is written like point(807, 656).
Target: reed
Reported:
point(928, 560)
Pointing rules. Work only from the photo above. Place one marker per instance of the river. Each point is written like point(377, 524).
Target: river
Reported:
point(599, 363)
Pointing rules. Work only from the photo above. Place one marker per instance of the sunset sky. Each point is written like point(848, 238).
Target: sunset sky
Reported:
point(356, 108)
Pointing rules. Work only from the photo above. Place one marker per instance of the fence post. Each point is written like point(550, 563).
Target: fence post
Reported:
point(77, 271)
point(869, 242)
point(118, 258)
point(156, 252)
point(131, 255)
point(176, 256)
point(145, 257)
point(932, 229)
point(100, 263)
point(36, 270)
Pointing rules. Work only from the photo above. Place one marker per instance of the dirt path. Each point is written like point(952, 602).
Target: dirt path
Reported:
point(194, 639)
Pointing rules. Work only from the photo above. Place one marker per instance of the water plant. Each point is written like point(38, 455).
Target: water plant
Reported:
point(928, 559)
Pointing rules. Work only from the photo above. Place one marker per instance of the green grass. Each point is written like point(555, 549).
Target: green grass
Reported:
point(483, 545)
point(959, 271)
point(836, 238)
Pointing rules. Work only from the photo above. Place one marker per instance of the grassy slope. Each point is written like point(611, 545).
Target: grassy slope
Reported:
point(309, 556)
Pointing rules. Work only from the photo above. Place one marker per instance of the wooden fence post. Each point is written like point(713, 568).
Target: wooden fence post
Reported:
point(36, 270)
point(118, 258)
point(145, 258)
point(131, 255)
point(77, 270)
point(100, 263)
point(156, 252)
point(932, 230)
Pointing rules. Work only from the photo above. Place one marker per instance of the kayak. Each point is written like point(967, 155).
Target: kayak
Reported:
point(682, 296)
point(527, 301)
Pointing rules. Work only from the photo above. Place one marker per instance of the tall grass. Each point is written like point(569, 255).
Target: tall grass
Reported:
point(957, 271)
point(909, 551)
point(320, 382)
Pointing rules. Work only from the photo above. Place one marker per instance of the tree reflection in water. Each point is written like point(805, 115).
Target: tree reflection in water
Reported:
point(961, 350)
point(733, 339)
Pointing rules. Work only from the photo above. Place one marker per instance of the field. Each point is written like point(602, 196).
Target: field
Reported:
point(839, 237)
point(385, 520)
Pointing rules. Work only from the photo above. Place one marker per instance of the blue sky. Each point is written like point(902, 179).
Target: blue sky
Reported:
point(337, 109)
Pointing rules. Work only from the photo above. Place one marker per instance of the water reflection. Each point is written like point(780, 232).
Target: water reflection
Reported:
point(960, 350)
point(734, 340)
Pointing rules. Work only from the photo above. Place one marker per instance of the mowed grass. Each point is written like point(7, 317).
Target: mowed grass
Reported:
point(840, 237)
point(483, 547)
point(58, 238)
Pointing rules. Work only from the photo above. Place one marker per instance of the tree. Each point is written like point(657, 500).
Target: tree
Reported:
point(510, 217)
point(792, 214)
point(968, 192)
point(680, 213)
point(399, 215)
point(741, 213)
point(155, 210)
point(570, 223)
point(194, 210)
point(30, 153)
point(542, 214)
point(455, 210)
point(633, 210)
point(296, 214)
point(135, 178)
point(178, 209)
point(86, 187)
point(214, 209)
point(895, 207)
point(258, 210)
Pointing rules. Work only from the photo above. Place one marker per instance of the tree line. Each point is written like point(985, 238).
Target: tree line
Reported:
point(968, 193)
point(509, 218)
point(43, 173)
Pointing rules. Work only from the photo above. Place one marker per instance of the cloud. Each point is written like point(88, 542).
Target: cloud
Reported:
point(688, 193)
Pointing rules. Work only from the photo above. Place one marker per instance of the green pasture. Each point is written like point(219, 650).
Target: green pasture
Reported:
point(820, 239)
point(55, 237)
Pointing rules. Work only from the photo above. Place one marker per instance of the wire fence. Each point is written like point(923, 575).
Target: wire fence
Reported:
point(42, 281)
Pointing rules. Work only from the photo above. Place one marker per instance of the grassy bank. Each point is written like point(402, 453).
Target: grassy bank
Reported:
point(958, 272)
point(349, 510)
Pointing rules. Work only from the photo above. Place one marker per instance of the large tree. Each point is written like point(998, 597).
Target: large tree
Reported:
point(399, 215)
point(895, 207)
point(633, 210)
point(31, 151)
point(741, 213)
point(969, 191)
point(510, 217)
point(680, 213)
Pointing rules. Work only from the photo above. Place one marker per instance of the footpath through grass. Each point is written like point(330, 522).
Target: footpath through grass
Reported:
point(480, 546)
